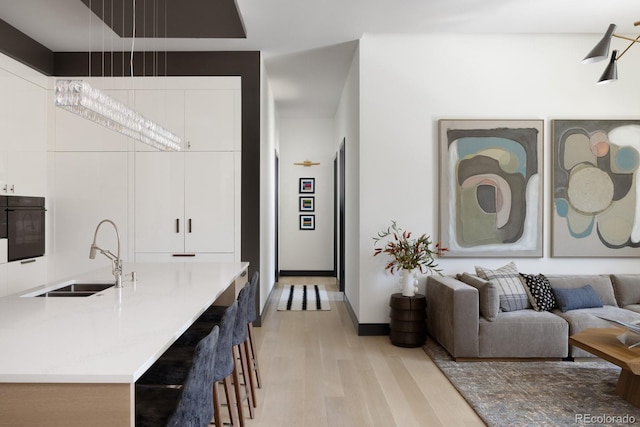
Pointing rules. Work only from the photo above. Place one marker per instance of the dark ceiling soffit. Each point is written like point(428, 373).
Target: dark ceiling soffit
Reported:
point(196, 19)
point(23, 48)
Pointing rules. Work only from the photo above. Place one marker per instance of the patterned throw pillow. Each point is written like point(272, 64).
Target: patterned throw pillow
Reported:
point(513, 296)
point(542, 298)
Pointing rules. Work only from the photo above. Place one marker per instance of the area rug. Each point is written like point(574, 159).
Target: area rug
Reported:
point(538, 393)
point(304, 298)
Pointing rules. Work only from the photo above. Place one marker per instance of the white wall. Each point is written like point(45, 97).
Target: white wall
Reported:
point(300, 140)
point(347, 121)
point(268, 147)
point(407, 83)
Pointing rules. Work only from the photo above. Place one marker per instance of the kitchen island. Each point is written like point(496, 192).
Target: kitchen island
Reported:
point(73, 361)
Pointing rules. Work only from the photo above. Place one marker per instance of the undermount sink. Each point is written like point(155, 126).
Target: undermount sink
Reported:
point(76, 289)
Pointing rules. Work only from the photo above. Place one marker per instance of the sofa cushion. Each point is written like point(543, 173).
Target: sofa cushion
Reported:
point(539, 292)
point(626, 288)
point(600, 283)
point(510, 288)
point(580, 320)
point(575, 298)
point(524, 334)
point(632, 307)
point(488, 293)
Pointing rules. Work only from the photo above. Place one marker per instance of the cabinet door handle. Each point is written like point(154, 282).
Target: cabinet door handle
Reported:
point(28, 261)
point(12, 189)
point(189, 225)
point(177, 225)
point(184, 255)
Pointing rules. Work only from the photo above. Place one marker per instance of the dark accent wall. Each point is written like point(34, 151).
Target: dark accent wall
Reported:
point(198, 19)
point(24, 49)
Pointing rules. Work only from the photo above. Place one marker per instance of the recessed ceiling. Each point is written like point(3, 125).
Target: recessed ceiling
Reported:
point(186, 19)
point(308, 45)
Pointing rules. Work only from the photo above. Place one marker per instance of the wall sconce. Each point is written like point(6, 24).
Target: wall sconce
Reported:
point(601, 51)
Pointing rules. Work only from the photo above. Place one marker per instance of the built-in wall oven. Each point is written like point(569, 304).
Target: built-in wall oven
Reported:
point(22, 224)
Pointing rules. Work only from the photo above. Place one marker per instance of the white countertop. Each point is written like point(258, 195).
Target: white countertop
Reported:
point(110, 337)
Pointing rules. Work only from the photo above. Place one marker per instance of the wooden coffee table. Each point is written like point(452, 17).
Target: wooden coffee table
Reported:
point(603, 343)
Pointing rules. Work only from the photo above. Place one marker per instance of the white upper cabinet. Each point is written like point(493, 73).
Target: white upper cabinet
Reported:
point(23, 126)
point(210, 120)
point(165, 107)
point(75, 133)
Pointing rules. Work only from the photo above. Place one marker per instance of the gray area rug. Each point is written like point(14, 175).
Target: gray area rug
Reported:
point(539, 393)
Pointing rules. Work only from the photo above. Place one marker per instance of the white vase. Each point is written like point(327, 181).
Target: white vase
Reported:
point(408, 282)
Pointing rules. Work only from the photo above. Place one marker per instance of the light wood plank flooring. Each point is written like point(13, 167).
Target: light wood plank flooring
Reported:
point(317, 372)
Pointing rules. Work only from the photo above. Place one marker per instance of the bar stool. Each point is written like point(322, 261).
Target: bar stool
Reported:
point(189, 405)
point(239, 353)
point(250, 343)
point(169, 368)
point(241, 357)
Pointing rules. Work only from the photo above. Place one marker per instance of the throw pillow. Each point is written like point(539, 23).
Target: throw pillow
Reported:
point(488, 295)
point(507, 279)
point(626, 288)
point(574, 298)
point(541, 295)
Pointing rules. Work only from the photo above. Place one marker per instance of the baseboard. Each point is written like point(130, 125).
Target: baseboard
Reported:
point(373, 329)
point(365, 329)
point(311, 273)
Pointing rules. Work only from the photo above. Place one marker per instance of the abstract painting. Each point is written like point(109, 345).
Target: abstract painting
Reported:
point(307, 204)
point(491, 187)
point(595, 190)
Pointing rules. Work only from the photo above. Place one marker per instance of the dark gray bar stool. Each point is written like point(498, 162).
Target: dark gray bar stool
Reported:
point(190, 404)
point(250, 344)
point(169, 368)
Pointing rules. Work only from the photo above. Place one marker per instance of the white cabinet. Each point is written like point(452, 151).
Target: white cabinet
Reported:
point(23, 126)
point(165, 107)
point(211, 120)
point(75, 133)
point(26, 274)
point(185, 203)
point(90, 187)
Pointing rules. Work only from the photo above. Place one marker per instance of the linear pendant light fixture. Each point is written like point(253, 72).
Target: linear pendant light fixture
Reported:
point(79, 97)
point(601, 51)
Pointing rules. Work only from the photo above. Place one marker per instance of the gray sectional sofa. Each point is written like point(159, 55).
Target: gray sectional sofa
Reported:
point(464, 316)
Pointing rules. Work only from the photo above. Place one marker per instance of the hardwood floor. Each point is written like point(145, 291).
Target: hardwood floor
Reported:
point(317, 372)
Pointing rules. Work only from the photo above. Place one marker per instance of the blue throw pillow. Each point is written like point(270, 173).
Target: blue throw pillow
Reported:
point(574, 298)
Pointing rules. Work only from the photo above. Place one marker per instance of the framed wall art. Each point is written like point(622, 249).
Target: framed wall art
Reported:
point(307, 222)
point(307, 185)
point(307, 204)
point(596, 211)
point(491, 187)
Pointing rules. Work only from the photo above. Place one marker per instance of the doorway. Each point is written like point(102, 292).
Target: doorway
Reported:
point(339, 225)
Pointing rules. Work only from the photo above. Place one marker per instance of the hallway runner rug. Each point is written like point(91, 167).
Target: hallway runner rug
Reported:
point(532, 393)
point(304, 298)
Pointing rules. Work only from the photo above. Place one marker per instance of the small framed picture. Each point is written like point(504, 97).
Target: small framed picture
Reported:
point(307, 204)
point(307, 185)
point(307, 222)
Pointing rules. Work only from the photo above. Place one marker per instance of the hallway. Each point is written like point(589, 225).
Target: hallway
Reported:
point(317, 372)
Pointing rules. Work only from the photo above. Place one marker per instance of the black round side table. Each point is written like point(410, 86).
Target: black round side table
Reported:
point(408, 326)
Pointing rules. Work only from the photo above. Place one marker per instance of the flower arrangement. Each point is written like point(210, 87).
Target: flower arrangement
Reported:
point(406, 253)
